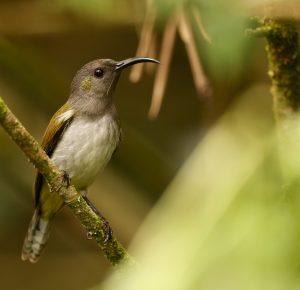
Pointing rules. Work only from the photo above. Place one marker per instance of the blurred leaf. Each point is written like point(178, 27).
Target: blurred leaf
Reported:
point(221, 223)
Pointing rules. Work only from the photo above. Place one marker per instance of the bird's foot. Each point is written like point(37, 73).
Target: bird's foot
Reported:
point(108, 232)
point(66, 178)
point(66, 181)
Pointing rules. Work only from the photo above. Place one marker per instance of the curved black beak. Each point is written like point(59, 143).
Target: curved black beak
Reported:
point(133, 60)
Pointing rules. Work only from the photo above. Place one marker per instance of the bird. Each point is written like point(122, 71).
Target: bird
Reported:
point(80, 139)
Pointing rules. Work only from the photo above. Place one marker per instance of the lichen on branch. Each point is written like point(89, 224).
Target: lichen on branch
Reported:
point(94, 225)
point(284, 68)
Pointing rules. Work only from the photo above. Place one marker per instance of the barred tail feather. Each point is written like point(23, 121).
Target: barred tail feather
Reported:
point(36, 238)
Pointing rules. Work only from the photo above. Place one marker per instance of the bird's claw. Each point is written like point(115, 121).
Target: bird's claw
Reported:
point(66, 181)
point(108, 232)
point(66, 178)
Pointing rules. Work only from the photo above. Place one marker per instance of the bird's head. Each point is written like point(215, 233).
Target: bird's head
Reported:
point(93, 85)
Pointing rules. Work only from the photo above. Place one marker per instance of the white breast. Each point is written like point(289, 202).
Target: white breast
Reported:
point(86, 147)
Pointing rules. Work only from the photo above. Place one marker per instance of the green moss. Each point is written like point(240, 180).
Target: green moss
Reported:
point(283, 54)
point(86, 84)
point(112, 249)
point(284, 68)
point(3, 108)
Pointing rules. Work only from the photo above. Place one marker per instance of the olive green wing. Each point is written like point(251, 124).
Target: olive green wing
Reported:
point(58, 124)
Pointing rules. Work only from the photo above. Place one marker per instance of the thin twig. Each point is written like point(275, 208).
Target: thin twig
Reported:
point(200, 25)
point(185, 31)
point(150, 68)
point(144, 43)
point(112, 249)
point(163, 70)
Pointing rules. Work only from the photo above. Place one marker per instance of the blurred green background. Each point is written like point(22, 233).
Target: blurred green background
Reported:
point(206, 170)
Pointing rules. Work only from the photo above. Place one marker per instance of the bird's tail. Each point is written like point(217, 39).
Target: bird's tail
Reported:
point(36, 238)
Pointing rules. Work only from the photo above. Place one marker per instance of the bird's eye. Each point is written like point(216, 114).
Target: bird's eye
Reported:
point(98, 73)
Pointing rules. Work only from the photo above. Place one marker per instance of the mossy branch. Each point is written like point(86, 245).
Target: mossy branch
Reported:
point(112, 249)
point(284, 71)
point(284, 67)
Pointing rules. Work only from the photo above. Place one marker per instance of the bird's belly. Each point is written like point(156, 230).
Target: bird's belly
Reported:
point(86, 147)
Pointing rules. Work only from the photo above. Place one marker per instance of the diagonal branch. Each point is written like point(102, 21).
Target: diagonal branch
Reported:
point(112, 249)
